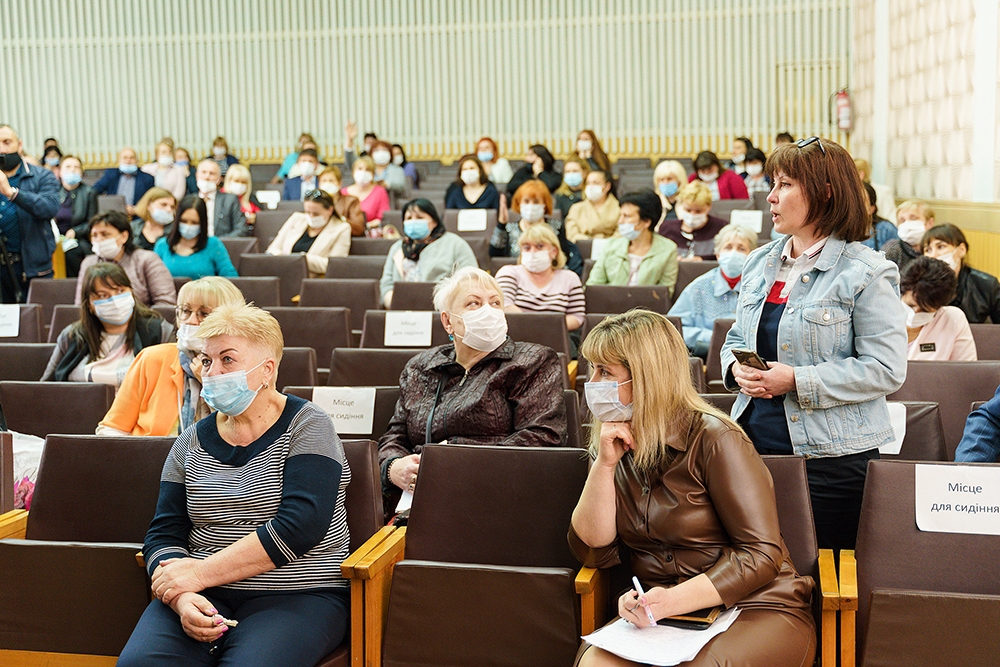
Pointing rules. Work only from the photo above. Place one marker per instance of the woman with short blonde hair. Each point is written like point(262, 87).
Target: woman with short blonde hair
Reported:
point(239, 182)
point(155, 213)
point(668, 178)
point(694, 229)
point(166, 173)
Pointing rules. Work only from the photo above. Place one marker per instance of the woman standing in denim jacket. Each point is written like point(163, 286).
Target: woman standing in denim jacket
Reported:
point(823, 310)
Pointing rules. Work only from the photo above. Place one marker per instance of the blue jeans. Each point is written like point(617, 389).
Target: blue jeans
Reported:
point(290, 629)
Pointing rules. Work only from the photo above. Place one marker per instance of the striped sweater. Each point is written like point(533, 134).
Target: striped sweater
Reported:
point(563, 294)
point(287, 486)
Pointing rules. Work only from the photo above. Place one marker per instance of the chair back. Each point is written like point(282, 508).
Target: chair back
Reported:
point(110, 203)
point(299, 367)
point(987, 337)
point(363, 367)
point(373, 333)
point(356, 266)
point(97, 489)
point(495, 505)
point(697, 368)
point(261, 291)
point(542, 328)
point(385, 406)
point(713, 370)
point(621, 298)
point(7, 480)
point(723, 402)
point(497, 263)
point(359, 295)
point(291, 269)
point(269, 223)
point(924, 439)
point(24, 361)
point(412, 296)
point(322, 329)
point(585, 246)
point(892, 553)
point(724, 207)
point(365, 246)
point(954, 385)
point(363, 497)
point(63, 315)
point(795, 516)
point(40, 408)
point(48, 292)
point(451, 219)
point(289, 206)
point(239, 245)
point(688, 271)
point(30, 326)
point(573, 427)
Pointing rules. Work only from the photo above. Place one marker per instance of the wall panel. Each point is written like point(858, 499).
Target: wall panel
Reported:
point(651, 77)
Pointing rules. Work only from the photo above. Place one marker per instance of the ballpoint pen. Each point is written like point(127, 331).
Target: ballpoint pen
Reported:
point(642, 594)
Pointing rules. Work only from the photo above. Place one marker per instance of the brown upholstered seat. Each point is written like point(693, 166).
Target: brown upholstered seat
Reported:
point(697, 368)
point(621, 298)
point(713, 363)
point(63, 315)
point(359, 295)
point(354, 367)
point(573, 426)
point(239, 245)
point(688, 271)
point(298, 368)
point(497, 263)
point(268, 224)
point(40, 408)
point(722, 401)
point(322, 329)
point(450, 220)
point(24, 361)
point(373, 334)
point(356, 266)
point(412, 296)
point(261, 291)
point(987, 337)
point(385, 406)
point(365, 246)
point(6, 472)
point(924, 439)
point(48, 292)
point(542, 328)
point(30, 326)
point(291, 269)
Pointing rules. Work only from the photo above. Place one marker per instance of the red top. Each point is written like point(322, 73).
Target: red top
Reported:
point(731, 186)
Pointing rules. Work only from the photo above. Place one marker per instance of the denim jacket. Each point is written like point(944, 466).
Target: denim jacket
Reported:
point(843, 331)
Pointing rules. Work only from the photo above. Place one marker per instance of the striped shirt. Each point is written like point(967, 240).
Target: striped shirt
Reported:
point(562, 294)
point(287, 487)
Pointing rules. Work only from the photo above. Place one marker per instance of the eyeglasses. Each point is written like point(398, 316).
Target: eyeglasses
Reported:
point(802, 143)
point(184, 314)
point(317, 195)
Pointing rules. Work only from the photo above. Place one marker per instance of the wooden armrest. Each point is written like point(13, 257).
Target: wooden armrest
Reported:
point(830, 608)
point(13, 524)
point(848, 607)
point(296, 298)
point(828, 580)
point(370, 584)
point(140, 560)
point(592, 585)
point(571, 370)
point(587, 579)
point(385, 554)
point(347, 567)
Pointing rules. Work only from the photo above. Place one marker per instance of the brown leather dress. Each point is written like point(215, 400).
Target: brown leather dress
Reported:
point(710, 509)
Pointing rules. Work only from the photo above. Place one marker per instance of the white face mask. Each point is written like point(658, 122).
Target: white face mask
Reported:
point(707, 177)
point(306, 169)
point(950, 260)
point(694, 221)
point(915, 320)
point(755, 169)
point(381, 157)
point(739, 157)
point(219, 151)
point(329, 188)
point(532, 212)
point(398, 160)
point(165, 161)
point(107, 248)
point(911, 231)
point(594, 192)
point(363, 177)
point(603, 401)
point(116, 310)
point(238, 189)
point(485, 328)
point(584, 145)
point(206, 187)
point(188, 340)
point(317, 221)
point(470, 176)
point(536, 261)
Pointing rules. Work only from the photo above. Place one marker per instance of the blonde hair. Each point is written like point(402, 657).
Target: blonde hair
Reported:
point(211, 291)
point(727, 233)
point(152, 194)
point(696, 193)
point(335, 171)
point(235, 171)
point(670, 168)
point(861, 164)
point(664, 401)
point(245, 321)
point(922, 208)
point(543, 234)
point(446, 292)
point(366, 162)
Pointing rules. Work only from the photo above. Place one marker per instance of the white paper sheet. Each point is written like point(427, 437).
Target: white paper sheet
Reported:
point(408, 328)
point(269, 198)
point(10, 320)
point(662, 645)
point(404, 501)
point(472, 220)
point(957, 499)
point(897, 418)
point(753, 220)
point(597, 247)
point(352, 409)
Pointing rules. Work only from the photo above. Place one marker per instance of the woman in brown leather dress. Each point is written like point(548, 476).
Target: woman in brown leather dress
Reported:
point(682, 487)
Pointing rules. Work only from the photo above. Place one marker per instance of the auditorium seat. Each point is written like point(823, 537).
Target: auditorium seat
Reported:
point(356, 266)
point(574, 430)
point(62, 316)
point(40, 408)
point(298, 368)
point(585, 246)
point(542, 328)
point(945, 616)
point(50, 292)
point(450, 220)
point(7, 480)
point(76, 564)
point(412, 296)
point(179, 282)
point(724, 208)
point(24, 361)
point(697, 369)
point(385, 406)
point(261, 291)
point(723, 402)
point(373, 333)
point(319, 328)
point(353, 367)
point(713, 363)
point(357, 295)
point(481, 249)
point(924, 439)
point(289, 206)
point(612, 299)
point(30, 326)
point(688, 271)
point(290, 269)
point(365, 246)
point(496, 263)
point(987, 337)
point(110, 203)
point(268, 224)
point(240, 245)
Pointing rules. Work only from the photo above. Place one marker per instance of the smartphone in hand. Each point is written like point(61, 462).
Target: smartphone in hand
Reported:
point(750, 358)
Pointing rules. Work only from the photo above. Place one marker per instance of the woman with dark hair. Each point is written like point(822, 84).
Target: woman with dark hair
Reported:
point(426, 253)
point(741, 149)
point(883, 231)
point(596, 217)
point(570, 192)
point(588, 148)
point(935, 331)
point(111, 237)
point(189, 251)
point(78, 206)
point(497, 168)
point(723, 183)
point(112, 329)
point(539, 164)
point(977, 293)
point(637, 256)
point(822, 311)
point(409, 169)
point(472, 187)
point(317, 232)
point(753, 172)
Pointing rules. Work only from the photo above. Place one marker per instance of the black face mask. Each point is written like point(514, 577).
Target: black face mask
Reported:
point(9, 161)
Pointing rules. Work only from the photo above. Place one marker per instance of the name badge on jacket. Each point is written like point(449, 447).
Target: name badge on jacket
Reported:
point(927, 347)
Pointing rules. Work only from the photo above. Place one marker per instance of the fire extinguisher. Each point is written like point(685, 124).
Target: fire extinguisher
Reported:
point(841, 109)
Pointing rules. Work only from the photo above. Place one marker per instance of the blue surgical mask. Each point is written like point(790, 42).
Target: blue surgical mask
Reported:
point(731, 263)
point(52, 161)
point(116, 310)
point(416, 229)
point(128, 169)
point(163, 217)
point(668, 189)
point(485, 156)
point(69, 178)
point(603, 401)
point(628, 230)
point(573, 179)
point(182, 163)
point(229, 393)
point(188, 231)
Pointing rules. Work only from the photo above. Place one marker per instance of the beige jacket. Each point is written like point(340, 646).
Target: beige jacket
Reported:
point(333, 241)
point(586, 221)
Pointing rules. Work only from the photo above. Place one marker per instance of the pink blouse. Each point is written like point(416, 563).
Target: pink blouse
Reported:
point(375, 204)
point(947, 338)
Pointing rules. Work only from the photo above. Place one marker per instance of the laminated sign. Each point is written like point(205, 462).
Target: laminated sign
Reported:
point(958, 499)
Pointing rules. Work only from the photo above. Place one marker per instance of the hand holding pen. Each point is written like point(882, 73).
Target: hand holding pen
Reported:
point(629, 606)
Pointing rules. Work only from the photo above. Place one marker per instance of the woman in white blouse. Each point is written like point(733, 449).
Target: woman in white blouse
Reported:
point(317, 232)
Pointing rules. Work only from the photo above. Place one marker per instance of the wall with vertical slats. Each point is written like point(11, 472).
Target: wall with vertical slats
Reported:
point(651, 77)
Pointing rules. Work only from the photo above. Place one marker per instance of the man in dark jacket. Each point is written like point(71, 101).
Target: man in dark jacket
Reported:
point(29, 198)
point(127, 180)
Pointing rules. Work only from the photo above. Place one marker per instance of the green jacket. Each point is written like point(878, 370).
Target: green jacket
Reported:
point(658, 267)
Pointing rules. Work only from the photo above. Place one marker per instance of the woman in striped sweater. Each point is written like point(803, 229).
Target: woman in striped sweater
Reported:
point(250, 525)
